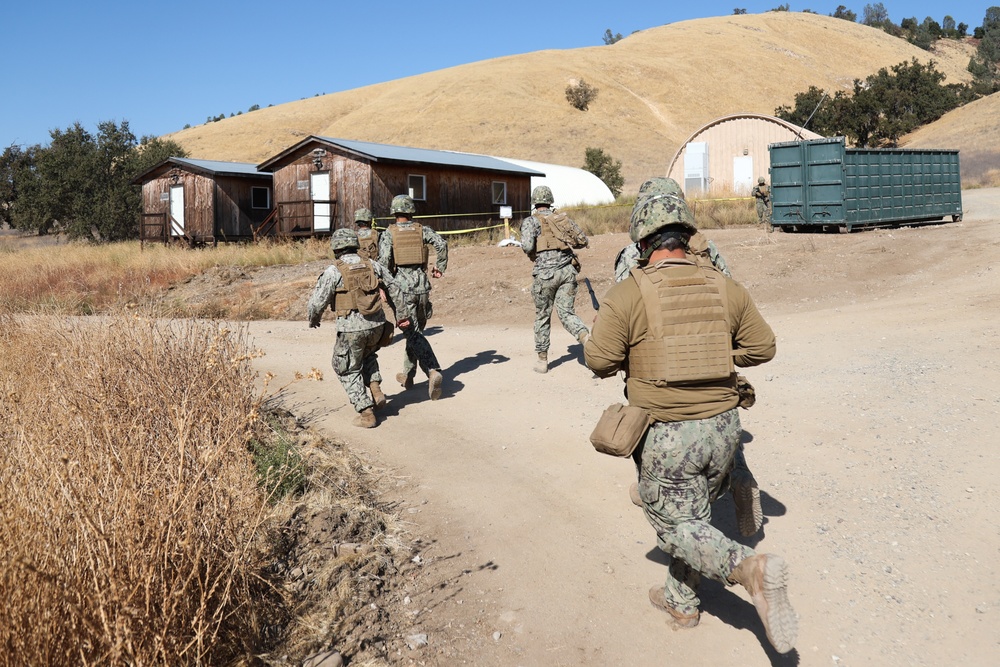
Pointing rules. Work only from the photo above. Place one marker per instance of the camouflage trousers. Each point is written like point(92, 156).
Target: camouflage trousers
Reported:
point(685, 466)
point(555, 287)
point(417, 309)
point(763, 213)
point(356, 364)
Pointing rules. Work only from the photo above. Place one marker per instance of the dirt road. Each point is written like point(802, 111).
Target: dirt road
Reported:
point(874, 440)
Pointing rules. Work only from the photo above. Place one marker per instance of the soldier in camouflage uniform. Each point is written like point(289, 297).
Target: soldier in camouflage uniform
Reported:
point(359, 334)
point(741, 482)
point(367, 234)
point(555, 270)
point(668, 323)
point(762, 194)
point(402, 247)
point(628, 257)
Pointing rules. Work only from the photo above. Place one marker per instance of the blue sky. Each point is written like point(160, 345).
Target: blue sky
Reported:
point(163, 65)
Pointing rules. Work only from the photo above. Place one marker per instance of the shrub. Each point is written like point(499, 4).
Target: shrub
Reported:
point(580, 94)
point(606, 168)
point(132, 518)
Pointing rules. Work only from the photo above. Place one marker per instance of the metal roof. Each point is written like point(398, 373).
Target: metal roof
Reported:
point(210, 167)
point(391, 153)
point(221, 167)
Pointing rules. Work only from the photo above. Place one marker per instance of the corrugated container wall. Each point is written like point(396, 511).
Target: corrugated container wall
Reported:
point(825, 183)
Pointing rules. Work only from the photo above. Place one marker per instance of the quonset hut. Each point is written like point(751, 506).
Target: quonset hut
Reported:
point(729, 154)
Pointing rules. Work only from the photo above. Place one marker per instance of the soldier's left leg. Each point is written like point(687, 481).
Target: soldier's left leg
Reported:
point(683, 465)
point(348, 353)
point(423, 353)
point(543, 291)
point(565, 302)
point(370, 371)
point(408, 311)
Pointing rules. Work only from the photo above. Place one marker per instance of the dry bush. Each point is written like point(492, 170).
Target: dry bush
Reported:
point(83, 279)
point(132, 517)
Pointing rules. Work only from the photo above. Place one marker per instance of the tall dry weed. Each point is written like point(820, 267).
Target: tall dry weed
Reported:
point(82, 279)
point(131, 523)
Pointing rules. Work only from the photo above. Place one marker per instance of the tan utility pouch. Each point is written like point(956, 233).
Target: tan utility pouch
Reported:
point(746, 391)
point(620, 429)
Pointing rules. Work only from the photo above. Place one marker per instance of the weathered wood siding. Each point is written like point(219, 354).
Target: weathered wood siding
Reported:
point(234, 213)
point(199, 201)
point(349, 185)
point(462, 197)
point(215, 208)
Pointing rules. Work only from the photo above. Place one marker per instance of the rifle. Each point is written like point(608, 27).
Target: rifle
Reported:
point(593, 297)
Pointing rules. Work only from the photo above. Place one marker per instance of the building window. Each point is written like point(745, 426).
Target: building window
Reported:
point(418, 187)
point(260, 198)
point(499, 192)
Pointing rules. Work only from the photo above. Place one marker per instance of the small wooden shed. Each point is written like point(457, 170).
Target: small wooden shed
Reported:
point(203, 201)
point(320, 182)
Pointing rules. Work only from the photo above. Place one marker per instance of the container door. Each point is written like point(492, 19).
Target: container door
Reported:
point(319, 192)
point(177, 210)
point(743, 174)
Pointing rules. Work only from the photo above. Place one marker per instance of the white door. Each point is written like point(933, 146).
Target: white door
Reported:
point(176, 210)
point(743, 173)
point(319, 191)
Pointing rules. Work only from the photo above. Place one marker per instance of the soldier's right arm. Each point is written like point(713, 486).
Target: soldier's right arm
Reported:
point(529, 233)
point(606, 349)
point(753, 336)
point(385, 249)
point(322, 295)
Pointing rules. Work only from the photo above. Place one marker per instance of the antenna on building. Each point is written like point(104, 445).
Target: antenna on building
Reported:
point(799, 133)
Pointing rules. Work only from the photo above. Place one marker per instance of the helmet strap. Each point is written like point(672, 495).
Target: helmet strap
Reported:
point(656, 241)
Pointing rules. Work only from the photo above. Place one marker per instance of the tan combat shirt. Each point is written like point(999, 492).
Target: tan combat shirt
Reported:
point(621, 324)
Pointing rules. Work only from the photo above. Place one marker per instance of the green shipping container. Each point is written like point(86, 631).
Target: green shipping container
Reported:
point(823, 183)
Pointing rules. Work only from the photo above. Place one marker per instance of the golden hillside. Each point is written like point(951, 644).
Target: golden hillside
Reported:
point(656, 87)
point(975, 131)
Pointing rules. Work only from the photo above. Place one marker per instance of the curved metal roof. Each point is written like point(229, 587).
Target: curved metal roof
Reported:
point(800, 131)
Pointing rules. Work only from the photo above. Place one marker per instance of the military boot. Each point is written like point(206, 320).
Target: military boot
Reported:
point(633, 494)
point(377, 395)
point(366, 419)
point(765, 578)
point(405, 380)
point(677, 619)
point(746, 498)
point(542, 365)
point(434, 382)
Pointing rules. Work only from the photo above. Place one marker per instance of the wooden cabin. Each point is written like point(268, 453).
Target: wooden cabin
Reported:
point(203, 201)
point(320, 182)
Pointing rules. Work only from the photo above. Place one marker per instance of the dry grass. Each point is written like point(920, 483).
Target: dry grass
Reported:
point(973, 130)
point(153, 516)
point(83, 279)
point(132, 516)
point(650, 99)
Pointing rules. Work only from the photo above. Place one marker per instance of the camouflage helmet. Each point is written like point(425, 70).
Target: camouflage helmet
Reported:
point(344, 239)
point(652, 213)
point(660, 186)
point(760, 181)
point(402, 204)
point(363, 215)
point(542, 195)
